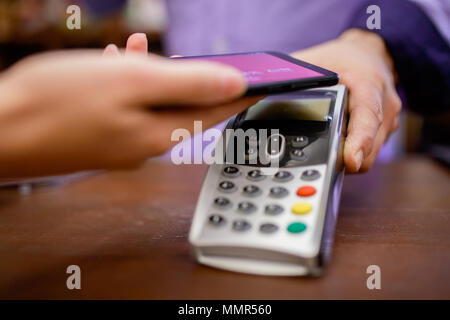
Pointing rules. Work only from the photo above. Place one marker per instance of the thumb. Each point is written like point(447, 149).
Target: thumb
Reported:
point(366, 116)
point(164, 81)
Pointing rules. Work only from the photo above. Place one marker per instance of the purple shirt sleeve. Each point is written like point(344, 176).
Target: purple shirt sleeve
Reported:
point(420, 53)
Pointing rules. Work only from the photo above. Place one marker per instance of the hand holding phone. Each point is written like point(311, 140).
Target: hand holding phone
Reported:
point(274, 72)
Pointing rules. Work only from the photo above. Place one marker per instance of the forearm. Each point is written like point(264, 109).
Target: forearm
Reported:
point(9, 101)
point(13, 102)
point(421, 55)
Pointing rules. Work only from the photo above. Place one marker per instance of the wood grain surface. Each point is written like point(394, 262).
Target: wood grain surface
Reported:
point(128, 233)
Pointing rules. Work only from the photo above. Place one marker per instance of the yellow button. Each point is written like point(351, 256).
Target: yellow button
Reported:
point(301, 208)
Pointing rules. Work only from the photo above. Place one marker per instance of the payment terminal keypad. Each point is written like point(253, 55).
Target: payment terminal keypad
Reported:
point(249, 204)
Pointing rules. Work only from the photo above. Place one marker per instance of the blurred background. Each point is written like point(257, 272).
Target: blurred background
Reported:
point(30, 26)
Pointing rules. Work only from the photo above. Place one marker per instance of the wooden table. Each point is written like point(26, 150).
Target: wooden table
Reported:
point(128, 233)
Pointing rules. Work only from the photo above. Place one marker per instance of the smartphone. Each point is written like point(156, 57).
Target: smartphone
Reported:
point(273, 72)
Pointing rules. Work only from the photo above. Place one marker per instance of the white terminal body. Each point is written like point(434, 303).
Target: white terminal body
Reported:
point(279, 221)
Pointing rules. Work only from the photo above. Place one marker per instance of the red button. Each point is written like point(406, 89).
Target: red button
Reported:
point(306, 191)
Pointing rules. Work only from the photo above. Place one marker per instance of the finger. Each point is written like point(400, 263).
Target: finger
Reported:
point(184, 118)
point(394, 104)
point(161, 81)
point(391, 109)
point(159, 141)
point(378, 143)
point(366, 116)
point(137, 43)
point(395, 126)
point(383, 134)
point(111, 50)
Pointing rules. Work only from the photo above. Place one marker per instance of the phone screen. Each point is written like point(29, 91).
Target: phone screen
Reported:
point(261, 67)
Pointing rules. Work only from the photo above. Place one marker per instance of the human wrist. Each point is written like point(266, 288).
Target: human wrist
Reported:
point(364, 36)
point(370, 41)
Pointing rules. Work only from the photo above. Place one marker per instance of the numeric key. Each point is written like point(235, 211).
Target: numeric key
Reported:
point(216, 220)
point(278, 192)
point(273, 209)
point(251, 191)
point(222, 202)
point(255, 175)
point(227, 186)
point(230, 171)
point(246, 207)
point(283, 176)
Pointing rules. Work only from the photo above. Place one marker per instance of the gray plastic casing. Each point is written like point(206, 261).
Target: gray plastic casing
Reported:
point(281, 253)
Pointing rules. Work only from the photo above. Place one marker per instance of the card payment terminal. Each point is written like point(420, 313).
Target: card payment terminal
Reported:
point(280, 221)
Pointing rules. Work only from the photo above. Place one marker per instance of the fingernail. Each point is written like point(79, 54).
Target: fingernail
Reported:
point(111, 46)
point(110, 50)
point(359, 159)
point(233, 83)
point(141, 35)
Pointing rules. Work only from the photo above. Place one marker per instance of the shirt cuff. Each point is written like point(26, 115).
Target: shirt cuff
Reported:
point(421, 55)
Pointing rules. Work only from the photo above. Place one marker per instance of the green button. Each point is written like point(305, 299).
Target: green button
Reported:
point(296, 227)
